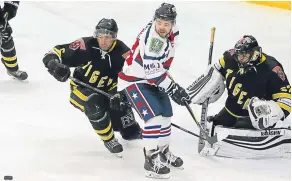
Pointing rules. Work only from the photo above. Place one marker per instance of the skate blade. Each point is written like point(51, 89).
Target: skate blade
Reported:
point(119, 155)
point(180, 168)
point(20, 78)
point(151, 174)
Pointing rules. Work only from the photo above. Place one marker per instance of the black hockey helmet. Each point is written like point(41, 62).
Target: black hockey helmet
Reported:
point(106, 26)
point(247, 51)
point(166, 12)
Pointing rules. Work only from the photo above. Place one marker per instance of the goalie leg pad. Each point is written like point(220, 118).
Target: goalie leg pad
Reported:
point(255, 144)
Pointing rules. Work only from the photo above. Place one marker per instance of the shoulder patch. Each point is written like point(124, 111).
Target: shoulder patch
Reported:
point(78, 44)
point(156, 45)
point(126, 54)
point(278, 70)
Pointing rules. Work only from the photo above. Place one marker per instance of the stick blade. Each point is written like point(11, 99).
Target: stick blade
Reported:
point(218, 137)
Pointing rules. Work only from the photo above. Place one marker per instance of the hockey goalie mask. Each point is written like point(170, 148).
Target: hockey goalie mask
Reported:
point(247, 52)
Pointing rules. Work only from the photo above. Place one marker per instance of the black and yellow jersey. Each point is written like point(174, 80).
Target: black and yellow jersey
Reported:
point(267, 80)
point(94, 66)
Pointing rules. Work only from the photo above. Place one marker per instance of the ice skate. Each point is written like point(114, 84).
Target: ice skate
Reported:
point(114, 147)
point(18, 74)
point(154, 165)
point(171, 159)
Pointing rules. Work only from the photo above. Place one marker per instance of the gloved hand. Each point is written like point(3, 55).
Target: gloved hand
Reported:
point(264, 113)
point(60, 71)
point(117, 102)
point(178, 94)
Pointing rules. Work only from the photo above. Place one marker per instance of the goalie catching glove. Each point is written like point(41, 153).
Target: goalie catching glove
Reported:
point(264, 114)
point(210, 86)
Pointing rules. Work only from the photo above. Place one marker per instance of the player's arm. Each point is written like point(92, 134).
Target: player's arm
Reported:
point(71, 55)
point(265, 113)
point(280, 90)
point(61, 57)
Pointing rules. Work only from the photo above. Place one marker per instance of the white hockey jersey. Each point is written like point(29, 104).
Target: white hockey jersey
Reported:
point(150, 58)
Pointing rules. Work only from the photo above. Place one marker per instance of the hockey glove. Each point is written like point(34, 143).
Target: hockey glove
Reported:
point(117, 102)
point(60, 71)
point(264, 114)
point(178, 94)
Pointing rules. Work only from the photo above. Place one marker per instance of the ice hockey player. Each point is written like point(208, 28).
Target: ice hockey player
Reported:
point(8, 52)
point(98, 60)
point(259, 97)
point(148, 87)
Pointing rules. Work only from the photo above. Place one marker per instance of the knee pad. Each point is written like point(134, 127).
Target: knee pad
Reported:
point(94, 107)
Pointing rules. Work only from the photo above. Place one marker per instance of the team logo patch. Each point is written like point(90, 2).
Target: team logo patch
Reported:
point(278, 70)
point(156, 45)
point(125, 55)
point(76, 44)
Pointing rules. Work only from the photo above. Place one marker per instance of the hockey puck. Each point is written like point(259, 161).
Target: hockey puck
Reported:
point(8, 177)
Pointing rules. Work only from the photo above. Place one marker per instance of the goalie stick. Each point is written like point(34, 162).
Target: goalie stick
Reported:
point(202, 124)
point(203, 135)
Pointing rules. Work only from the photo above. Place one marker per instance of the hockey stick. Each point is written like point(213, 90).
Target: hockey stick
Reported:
point(206, 103)
point(90, 87)
point(128, 104)
point(211, 140)
point(203, 134)
point(187, 131)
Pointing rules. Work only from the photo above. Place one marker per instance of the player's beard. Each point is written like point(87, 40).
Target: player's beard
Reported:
point(162, 33)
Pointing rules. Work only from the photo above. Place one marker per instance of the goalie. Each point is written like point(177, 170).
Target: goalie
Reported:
point(259, 99)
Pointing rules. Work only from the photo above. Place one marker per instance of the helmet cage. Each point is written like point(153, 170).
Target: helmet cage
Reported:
point(103, 31)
